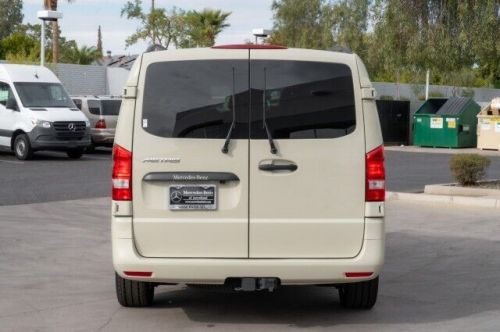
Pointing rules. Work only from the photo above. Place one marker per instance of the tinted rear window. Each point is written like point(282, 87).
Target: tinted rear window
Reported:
point(194, 99)
point(94, 106)
point(302, 100)
point(110, 107)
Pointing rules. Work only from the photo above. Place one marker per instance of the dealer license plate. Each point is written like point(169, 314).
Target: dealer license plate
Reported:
point(189, 197)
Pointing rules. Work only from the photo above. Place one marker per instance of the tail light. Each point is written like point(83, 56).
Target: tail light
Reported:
point(100, 124)
point(138, 273)
point(375, 175)
point(122, 174)
point(358, 274)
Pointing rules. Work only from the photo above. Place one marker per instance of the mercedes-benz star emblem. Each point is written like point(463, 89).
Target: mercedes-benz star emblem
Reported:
point(71, 127)
point(176, 196)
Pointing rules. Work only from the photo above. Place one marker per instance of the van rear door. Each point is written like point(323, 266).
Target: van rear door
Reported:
point(190, 199)
point(307, 199)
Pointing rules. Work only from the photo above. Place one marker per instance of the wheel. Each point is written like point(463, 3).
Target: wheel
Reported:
point(131, 293)
point(359, 295)
point(75, 154)
point(90, 148)
point(22, 147)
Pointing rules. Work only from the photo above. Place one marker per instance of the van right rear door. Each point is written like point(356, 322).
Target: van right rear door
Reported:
point(307, 200)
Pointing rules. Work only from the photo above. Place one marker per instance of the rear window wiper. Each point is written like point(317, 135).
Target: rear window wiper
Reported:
point(225, 147)
point(274, 150)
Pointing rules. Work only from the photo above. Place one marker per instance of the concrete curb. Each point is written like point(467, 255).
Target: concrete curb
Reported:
point(484, 202)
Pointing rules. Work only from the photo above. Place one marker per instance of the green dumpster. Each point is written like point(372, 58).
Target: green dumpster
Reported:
point(446, 122)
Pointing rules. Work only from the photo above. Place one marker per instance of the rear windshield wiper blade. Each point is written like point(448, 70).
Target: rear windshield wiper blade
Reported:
point(225, 147)
point(274, 150)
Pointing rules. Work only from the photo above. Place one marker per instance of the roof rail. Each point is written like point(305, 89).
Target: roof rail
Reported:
point(250, 47)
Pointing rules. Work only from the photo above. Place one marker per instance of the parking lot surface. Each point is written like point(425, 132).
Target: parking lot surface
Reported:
point(53, 177)
point(411, 171)
point(441, 274)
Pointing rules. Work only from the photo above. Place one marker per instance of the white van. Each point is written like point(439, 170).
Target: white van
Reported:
point(253, 166)
point(37, 114)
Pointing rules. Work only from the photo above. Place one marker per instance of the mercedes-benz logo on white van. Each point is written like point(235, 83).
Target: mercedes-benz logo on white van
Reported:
point(176, 196)
point(72, 127)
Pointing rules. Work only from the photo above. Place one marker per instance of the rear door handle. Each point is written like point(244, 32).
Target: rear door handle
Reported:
point(273, 167)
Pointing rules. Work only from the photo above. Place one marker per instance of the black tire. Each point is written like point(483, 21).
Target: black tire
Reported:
point(75, 154)
point(131, 293)
point(359, 295)
point(90, 148)
point(22, 147)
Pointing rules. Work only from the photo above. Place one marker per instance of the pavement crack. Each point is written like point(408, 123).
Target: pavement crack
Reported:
point(108, 321)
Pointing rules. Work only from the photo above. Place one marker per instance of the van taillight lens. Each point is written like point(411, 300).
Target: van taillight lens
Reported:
point(375, 175)
point(122, 174)
point(100, 124)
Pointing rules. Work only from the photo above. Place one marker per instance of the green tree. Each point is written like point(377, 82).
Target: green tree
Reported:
point(348, 22)
point(19, 45)
point(52, 5)
point(158, 27)
point(301, 23)
point(204, 26)
point(99, 41)
point(84, 55)
point(24, 46)
point(11, 16)
point(459, 41)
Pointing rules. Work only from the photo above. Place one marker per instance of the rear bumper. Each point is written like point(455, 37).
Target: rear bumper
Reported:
point(216, 271)
point(103, 136)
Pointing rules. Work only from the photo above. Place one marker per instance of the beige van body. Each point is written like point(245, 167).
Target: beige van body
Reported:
point(298, 216)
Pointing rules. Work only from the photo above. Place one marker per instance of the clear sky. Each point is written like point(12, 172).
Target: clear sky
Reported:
point(82, 17)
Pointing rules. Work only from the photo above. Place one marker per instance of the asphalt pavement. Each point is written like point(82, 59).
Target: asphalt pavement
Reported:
point(441, 274)
point(52, 176)
point(411, 171)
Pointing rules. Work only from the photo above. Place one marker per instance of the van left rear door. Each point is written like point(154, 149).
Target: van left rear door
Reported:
point(190, 199)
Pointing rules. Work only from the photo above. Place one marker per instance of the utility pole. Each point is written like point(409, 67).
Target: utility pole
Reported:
point(427, 83)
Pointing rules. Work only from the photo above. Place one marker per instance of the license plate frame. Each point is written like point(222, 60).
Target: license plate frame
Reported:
point(192, 197)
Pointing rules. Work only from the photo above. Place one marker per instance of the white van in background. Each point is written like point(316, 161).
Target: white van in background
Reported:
point(37, 114)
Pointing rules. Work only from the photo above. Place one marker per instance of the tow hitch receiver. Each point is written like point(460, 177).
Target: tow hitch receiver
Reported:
point(257, 284)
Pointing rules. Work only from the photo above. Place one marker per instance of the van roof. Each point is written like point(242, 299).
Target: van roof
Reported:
point(282, 52)
point(27, 73)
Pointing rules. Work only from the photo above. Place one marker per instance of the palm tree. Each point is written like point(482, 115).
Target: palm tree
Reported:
point(204, 26)
point(52, 5)
point(84, 55)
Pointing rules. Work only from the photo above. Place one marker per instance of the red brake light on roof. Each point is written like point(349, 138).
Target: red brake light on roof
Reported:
point(375, 175)
point(122, 174)
point(100, 124)
point(250, 47)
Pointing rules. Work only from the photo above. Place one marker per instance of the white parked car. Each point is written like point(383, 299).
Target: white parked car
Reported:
point(37, 114)
point(251, 166)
